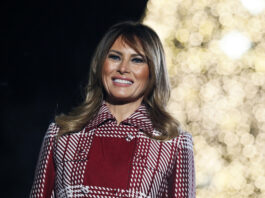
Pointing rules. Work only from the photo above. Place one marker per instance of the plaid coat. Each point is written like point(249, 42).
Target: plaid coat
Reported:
point(110, 160)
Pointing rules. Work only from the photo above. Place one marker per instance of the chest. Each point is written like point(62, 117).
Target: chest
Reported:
point(115, 157)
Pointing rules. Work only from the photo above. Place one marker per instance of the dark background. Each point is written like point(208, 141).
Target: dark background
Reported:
point(46, 48)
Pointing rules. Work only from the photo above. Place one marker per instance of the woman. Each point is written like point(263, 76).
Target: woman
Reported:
point(120, 142)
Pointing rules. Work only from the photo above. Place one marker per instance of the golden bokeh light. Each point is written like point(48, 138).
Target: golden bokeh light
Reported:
point(218, 98)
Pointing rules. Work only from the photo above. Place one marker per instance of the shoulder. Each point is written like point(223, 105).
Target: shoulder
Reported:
point(183, 140)
point(52, 130)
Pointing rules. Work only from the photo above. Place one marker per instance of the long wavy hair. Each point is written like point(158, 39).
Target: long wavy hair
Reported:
point(156, 95)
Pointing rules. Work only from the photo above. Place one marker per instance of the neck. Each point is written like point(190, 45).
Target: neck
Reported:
point(121, 111)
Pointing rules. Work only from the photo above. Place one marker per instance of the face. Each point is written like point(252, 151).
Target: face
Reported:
point(125, 73)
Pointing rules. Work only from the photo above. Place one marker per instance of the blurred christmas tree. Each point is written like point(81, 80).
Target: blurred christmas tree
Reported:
point(216, 60)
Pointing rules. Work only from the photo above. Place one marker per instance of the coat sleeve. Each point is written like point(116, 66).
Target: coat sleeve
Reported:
point(183, 178)
point(43, 184)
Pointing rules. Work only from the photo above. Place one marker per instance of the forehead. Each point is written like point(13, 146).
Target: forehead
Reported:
point(131, 42)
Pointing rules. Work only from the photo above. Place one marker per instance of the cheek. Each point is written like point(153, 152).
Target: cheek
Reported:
point(106, 70)
point(104, 74)
point(143, 74)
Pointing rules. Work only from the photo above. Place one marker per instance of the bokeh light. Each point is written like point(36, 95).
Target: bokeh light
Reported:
point(234, 44)
point(254, 6)
point(216, 61)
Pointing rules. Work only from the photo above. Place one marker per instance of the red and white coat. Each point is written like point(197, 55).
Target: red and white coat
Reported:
point(71, 166)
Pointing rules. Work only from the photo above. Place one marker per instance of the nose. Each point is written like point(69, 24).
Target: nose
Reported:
point(124, 66)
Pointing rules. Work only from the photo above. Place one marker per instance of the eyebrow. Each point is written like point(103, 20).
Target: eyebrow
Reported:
point(118, 52)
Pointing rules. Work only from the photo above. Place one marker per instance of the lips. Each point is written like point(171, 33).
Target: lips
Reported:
point(120, 80)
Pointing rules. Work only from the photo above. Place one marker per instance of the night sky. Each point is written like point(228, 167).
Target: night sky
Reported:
point(46, 48)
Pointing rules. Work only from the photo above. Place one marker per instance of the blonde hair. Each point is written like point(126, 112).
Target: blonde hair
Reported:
point(156, 95)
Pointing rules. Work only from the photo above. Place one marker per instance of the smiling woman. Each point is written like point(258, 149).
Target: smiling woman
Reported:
point(120, 142)
point(125, 75)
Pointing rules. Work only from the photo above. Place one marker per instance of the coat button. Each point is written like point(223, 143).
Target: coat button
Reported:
point(129, 137)
point(85, 189)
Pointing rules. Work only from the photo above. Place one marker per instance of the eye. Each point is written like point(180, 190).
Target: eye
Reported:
point(138, 60)
point(113, 57)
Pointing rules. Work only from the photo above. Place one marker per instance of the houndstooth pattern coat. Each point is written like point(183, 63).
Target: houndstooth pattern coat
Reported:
point(109, 160)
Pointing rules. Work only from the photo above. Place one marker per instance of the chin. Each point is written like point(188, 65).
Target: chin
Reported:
point(120, 96)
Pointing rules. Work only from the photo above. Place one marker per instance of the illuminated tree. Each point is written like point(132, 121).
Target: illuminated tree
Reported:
point(216, 60)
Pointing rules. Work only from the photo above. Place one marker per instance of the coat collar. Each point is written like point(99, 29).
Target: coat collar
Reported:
point(140, 118)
